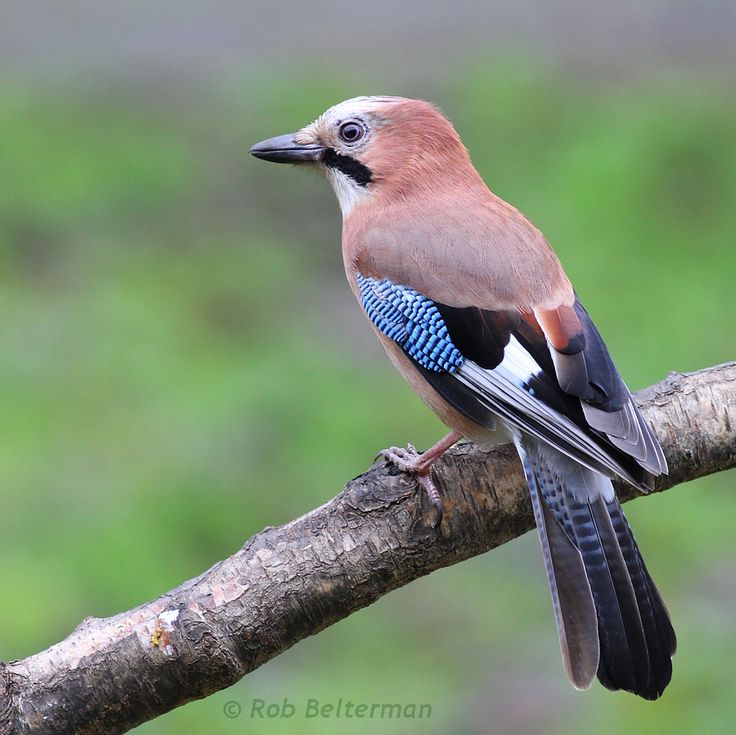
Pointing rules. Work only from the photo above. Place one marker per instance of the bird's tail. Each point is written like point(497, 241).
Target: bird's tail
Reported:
point(610, 617)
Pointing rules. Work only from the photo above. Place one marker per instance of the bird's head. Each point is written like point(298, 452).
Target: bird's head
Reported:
point(375, 146)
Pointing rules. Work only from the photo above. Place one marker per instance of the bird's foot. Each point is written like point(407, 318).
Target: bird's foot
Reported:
point(408, 459)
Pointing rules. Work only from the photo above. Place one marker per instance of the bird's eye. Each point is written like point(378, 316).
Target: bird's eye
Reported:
point(351, 132)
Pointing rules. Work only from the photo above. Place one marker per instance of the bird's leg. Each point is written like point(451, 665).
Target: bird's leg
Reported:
point(407, 459)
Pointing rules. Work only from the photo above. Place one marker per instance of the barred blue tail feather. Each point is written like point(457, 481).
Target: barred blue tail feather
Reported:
point(583, 530)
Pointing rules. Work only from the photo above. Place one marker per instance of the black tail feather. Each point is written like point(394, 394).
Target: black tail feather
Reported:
point(659, 634)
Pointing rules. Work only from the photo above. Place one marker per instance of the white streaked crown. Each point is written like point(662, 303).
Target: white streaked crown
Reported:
point(356, 106)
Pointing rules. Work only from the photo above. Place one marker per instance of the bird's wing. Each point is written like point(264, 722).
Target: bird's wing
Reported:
point(546, 373)
point(584, 369)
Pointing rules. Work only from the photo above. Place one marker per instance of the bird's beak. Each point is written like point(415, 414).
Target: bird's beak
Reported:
point(284, 149)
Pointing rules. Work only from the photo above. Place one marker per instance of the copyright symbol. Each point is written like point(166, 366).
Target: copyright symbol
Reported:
point(232, 709)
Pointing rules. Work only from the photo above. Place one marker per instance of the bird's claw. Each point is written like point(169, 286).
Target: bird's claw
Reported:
point(404, 458)
point(408, 459)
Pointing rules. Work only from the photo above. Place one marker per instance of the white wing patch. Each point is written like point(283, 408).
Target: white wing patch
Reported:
point(518, 362)
point(505, 391)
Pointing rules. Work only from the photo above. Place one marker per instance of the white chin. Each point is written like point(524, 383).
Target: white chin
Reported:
point(348, 192)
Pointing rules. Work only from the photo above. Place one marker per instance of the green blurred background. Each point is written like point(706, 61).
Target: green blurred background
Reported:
point(181, 362)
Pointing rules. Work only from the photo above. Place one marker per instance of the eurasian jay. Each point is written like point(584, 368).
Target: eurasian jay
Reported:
point(476, 312)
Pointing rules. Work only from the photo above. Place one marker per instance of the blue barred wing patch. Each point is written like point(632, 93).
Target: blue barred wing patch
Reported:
point(411, 320)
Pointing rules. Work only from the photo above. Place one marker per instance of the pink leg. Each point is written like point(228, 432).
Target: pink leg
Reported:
point(420, 465)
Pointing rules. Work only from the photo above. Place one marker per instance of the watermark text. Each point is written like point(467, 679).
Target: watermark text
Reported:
point(341, 708)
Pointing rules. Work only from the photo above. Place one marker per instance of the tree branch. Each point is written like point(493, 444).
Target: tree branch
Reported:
point(290, 582)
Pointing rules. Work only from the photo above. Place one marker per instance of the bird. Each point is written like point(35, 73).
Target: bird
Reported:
point(474, 309)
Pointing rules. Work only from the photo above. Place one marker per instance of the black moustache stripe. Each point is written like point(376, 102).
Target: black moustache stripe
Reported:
point(354, 169)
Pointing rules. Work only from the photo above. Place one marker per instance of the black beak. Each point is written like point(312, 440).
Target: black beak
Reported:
point(284, 149)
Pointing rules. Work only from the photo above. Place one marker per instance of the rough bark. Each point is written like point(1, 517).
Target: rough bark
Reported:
point(290, 582)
